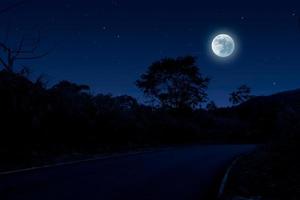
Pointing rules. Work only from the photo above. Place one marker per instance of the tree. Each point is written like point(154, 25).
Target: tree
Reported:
point(71, 96)
point(242, 94)
point(66, 87)
point(211, 106)
point(175, 83)
point(109, 104)
point(25, 50)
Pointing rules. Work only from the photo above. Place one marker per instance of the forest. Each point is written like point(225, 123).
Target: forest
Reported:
point(40, 123)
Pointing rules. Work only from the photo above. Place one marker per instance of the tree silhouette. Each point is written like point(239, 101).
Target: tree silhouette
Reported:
point(26, 50)
point(107, 103)
point(242, 94)
point(175, 83)
point(211, 106)
point(67, 87)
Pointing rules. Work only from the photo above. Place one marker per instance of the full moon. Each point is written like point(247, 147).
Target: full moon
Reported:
point(223, 45)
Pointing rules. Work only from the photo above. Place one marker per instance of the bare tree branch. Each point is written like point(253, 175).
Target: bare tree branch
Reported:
point(25, 49)
point(20, 46)
point(3, 62)
point(22, 52)
point(34, 57)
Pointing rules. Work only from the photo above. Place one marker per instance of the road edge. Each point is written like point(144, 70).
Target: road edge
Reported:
point(95, 158)
point(226, 176)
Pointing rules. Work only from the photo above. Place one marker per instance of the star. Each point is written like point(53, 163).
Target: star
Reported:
point(190, 29)
point(118, 36)
point(274, 83)
point(189, 44)
point(86, 14)
point(165, 35)
point(68, 6)
point(86, 57)
point(78, 33)
point(115, 3)
point(94, 42)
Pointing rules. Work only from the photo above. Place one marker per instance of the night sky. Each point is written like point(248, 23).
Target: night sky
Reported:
point(108, 44)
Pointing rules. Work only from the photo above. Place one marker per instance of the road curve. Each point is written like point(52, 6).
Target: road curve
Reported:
point(185, 173)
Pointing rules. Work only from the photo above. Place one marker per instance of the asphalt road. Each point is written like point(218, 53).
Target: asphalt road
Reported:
point(185, 173)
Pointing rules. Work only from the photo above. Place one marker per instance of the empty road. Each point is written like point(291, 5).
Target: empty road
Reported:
point(185, 173)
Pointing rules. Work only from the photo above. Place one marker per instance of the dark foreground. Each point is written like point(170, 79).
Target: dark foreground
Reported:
point(271, 172)
point(182, 173)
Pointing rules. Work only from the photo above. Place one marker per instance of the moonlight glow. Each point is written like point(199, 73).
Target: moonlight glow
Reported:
point(223, 45)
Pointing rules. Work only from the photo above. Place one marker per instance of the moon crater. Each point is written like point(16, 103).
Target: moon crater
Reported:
point(223, 45)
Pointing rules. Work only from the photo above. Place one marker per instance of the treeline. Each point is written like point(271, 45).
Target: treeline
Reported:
point(38, 123)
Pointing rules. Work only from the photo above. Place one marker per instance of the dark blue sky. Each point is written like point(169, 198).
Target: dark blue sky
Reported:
point(107, 44)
